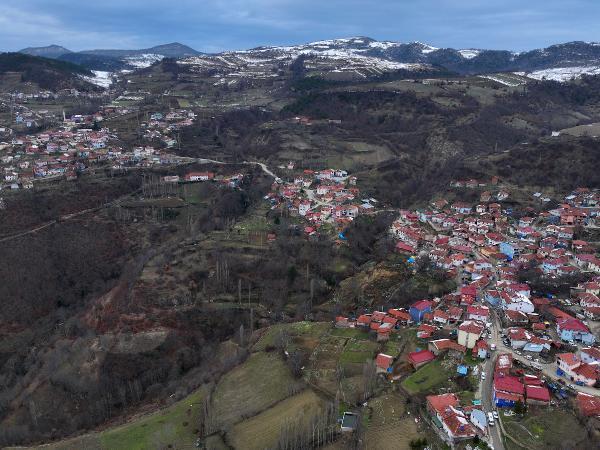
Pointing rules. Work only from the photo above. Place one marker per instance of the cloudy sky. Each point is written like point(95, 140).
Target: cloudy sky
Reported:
point(214, 25)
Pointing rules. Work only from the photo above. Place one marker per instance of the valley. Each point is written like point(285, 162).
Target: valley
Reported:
point(303, 246)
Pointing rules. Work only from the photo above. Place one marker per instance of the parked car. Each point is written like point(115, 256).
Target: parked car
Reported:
point(528, 357)
point(495, 413)
point(490, 419)
point(483, 375)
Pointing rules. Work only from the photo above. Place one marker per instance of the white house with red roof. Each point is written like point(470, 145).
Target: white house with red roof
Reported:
point(445, 409)
point(469, 332)
point(480, 313)
point(574, 330)
point(590, 355)
point(515, 301)
point(578, 371)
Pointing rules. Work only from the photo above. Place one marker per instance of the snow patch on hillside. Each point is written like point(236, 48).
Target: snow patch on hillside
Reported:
point(469, 53)
point(504, 79)
point(144, 60)
point(101, 78)
point(562, 74)
point(383, 45)
point(426, 48)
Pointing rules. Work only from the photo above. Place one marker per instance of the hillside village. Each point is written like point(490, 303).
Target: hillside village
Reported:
point(328, 196)
point(519, 346)
point(82, 143)
point(404, 311)
point(544, 346)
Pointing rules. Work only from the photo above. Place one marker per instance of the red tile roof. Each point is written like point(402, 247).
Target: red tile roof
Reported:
point(422, 305)
point(588, 371)
point(423, 356)
point(447, 344)
point(559, 313)
point(378, 316)
point(589, 405)
point(384, 361)
point(572, 324)
point(478, 310)
point(538, 393)
point(399, 314)
point(509, 396)
point(364, 319)
point(509, 384)
point(471, 327)
point(439, 403)
point(594, 352)
point(570, 359)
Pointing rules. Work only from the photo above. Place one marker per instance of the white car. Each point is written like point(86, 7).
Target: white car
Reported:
point(490, 419)
point(483, 375)
point(528, 357)
point(495, 413)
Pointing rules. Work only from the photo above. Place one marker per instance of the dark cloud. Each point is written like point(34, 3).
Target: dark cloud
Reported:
point(213, 25)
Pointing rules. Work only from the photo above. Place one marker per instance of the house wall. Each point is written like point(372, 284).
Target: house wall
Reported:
point(467, 339)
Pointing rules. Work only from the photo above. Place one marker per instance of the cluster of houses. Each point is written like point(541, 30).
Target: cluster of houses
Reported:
point(511, 385)
point(583, 368)
point(457, 422)
point(163, 127)
point(486, 248)
point(319, 197)
point(67, 151)
point(232, 180)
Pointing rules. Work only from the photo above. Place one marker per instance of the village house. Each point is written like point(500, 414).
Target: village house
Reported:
point(590, 355)
point(573, 368)
point(574, 330)
point(440, 346)
point(537, 395)
point(384, 363)
point(507, 390)
point(469, 332)
point(480, 313)
point(588, 405)
point(447, 414)
point(419, 309)
point(420, 358)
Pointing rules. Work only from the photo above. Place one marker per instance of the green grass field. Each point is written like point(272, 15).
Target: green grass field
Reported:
point(545, 428)
point(293, 330)
point(259, 383)
point(355, 333)
point(174, 427)
point(358, 351)
point(426, 378)
point(262, 430)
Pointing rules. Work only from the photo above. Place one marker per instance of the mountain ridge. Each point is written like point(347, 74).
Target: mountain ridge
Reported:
point(389, 55)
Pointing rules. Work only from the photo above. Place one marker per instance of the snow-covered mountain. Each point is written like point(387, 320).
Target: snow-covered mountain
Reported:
point(350, 58)
point(365, 57)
